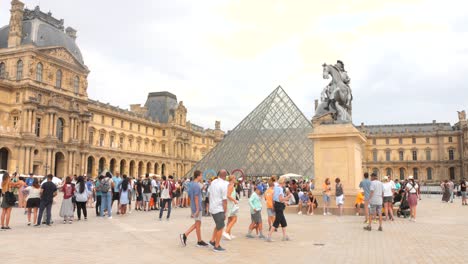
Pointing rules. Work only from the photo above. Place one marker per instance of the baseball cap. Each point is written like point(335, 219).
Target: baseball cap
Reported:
point(260, 187)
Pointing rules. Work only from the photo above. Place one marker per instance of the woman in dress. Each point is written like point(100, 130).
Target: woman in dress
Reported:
point(445, 191)
point(339, 196)
point(412, 189)
point(124, 195)
point(34, 199)
point(326, 190)
point(81, 196)
point(66, 210)
point(232, 207)
point(7, 186)
point(21, 193)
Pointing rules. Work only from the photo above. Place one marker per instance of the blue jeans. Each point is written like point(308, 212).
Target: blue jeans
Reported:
point(163, 204)
point(47, 206)
point(106, 203)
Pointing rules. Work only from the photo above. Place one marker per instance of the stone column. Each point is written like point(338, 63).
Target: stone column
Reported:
point(31, 159)
point(25, 160)
point(52, 162)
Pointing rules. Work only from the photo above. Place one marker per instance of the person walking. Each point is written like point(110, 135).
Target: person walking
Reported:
point(339, 196)
point(66, 210)
point(279, 205)
point(218, 208)
point(195, 194)
point(106, 187)
point(167, 189)
point(154, 191)
point(8, 201)
point(124, 195)
point(451, 187)
point(412, 190)
point(81, 197)
point(256, 213)
point(48, 192)
point(388, 188)
point(269, 202)
point(98, 195)
point(375, 201)
point(326, 191)
point(232, 207)
point(365, 186)
point(34, 199)
point(463, 191)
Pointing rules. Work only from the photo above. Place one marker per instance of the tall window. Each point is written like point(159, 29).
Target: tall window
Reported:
point(387, 155)
point(415, 173)
point(374, 154)
point(58, 79)
point(452, 173)
point(19, 70)
point(414, 140)
point(400, 141)
point(102, 119)
point(39, 72)
point(39, 98)
point(428, 140)
point(101, 140)
point(401, 155)
point(2, 71)
point(164, 133)
point(389, 172)
point(38, 127)
point(163, 148)
point(112, 141)
point(428, 155)
point(121, 123)
point(130, 144)
point(402, 173)
point(60, 125)
point(387, 141)
point(131, 126)
point(112, 121)
point(76, 85)
point(429, 174)
point(415, 155)
point(374, 141)
point(451, 154)
point(17, 97)
point(450, 139)
point(121, 140)
point(15, 122)
point(91, 137)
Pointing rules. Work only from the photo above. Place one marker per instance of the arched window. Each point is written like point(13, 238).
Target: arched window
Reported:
point(402, 173)
point(429, 174)
point(76, 84)
point(58, 79)
point(60, 125)
point(19, 70)
point(2, 71)
point(39, 72)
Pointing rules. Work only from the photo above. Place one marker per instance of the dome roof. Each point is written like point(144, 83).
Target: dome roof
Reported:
point(43, 30)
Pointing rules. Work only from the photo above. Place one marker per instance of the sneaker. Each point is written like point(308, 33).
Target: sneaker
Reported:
point(219, 249)
point(357, 214)
point(299, 213)
point(261, 236)
point(249, 236)
point(368, 228)
point(380, 228)
point(36, 225)
point(286, 238)
point(226, 236)
point(70, 221)
point(324, 213)
point(202, 244)
point(110, 217)
point(183, 239)
point(329, 213)
point(268, 239)
point(375, 221)
point(211, 244)
point(64, 221)
point(233, 236)
point(29, 224)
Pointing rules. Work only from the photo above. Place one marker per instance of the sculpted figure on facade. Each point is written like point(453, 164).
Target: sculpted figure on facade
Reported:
point(337, 96)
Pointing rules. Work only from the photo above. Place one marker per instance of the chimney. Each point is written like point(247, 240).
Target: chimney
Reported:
point(16, 23)
point(71, 32)
point(434, 121)
point(316, 104)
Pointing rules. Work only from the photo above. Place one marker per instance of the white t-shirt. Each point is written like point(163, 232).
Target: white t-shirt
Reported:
point(387, 189)
point(218, 193)
point(411, 189)
point(33, 192)
point(153, 186)
point(376, 198)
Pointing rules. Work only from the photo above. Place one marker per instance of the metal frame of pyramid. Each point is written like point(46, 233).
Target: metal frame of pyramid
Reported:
point(271, 140)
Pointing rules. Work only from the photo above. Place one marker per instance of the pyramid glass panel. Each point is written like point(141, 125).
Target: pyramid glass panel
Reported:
point(271, 140)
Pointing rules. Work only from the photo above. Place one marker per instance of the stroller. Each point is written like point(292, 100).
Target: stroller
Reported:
point(404, 209)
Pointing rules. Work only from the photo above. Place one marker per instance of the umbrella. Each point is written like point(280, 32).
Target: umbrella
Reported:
point(292, 175)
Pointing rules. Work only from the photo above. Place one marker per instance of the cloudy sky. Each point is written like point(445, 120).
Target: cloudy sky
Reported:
point(407, 59)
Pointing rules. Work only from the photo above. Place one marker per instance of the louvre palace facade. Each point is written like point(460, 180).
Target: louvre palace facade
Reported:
point(49, 125)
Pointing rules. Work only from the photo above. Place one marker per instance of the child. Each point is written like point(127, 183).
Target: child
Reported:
point(256, 212)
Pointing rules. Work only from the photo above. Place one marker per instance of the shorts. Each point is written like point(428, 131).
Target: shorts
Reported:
point(33, 203)
point(340, 200)
point(463, 194)
point(388, 199)
point(198, 218)
point(326, 198)
point(184, 195)
point(139, 198)
point(154, 196)
point(115, 196)
point(256, 217)
point(359, 205)
point(271, 212)
point(376, 208)
point(146, 197)
point(219, 220)
point(207, 200)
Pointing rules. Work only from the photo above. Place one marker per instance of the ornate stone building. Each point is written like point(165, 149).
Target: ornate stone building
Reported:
point(49, 125)
point(431, 152)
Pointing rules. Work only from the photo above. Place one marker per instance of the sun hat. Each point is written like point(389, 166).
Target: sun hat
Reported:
point(410, 177)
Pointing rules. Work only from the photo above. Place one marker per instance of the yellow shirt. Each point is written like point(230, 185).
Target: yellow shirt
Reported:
point(360, 198)
point(269, 198)
point(326, 189)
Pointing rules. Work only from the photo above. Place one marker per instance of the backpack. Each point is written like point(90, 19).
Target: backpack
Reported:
point(104, 186)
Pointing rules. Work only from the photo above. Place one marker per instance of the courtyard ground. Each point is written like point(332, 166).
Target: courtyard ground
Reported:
point(440, 235)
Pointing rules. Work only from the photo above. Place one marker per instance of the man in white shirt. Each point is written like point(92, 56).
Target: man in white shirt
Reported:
point(218, 208)
point(375, 201)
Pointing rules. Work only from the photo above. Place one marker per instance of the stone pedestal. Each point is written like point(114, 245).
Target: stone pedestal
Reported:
point(338, 150)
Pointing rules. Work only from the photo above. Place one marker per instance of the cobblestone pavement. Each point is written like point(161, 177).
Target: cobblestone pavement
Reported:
point(440, 235)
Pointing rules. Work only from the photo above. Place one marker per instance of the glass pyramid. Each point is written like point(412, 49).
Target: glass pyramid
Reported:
point(271, 140)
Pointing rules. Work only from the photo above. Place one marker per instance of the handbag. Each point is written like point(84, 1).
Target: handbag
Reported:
point(10, 198)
